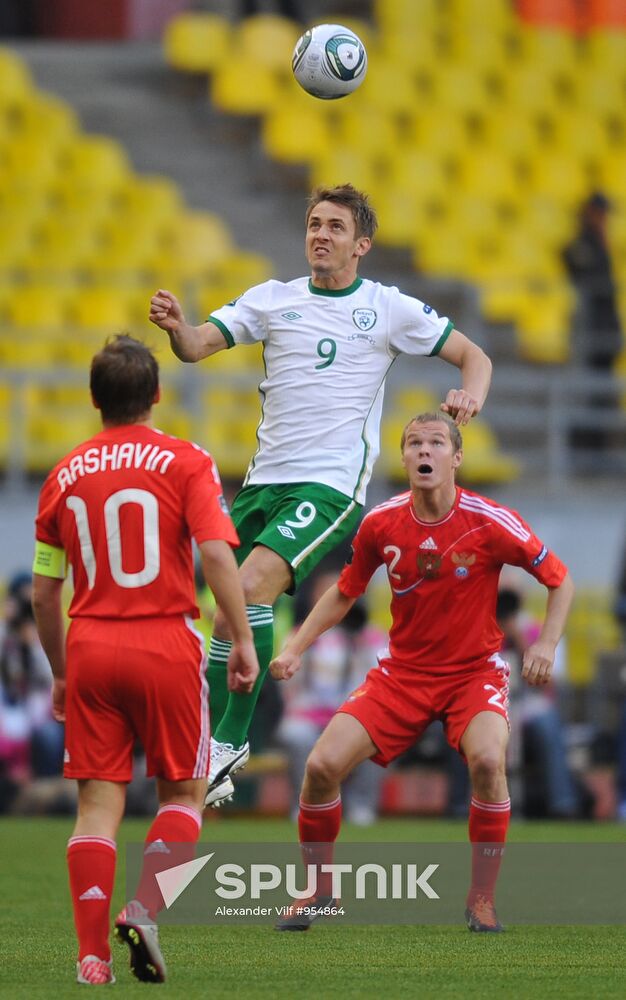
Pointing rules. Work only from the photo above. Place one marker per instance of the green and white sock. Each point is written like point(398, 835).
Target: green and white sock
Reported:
point(234, 722)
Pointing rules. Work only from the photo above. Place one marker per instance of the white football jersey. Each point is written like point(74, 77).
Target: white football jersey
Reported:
point(326, 356)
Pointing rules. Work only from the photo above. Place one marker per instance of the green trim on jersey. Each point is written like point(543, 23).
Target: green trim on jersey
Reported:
point(335, 292)
point(444, 336)
point(301, 522)
point(228, 337)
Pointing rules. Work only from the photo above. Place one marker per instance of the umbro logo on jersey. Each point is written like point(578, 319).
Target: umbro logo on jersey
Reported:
point(291, 315)
point(94, 893)
point(429, 543)
point(157, 847)
point(284, 530)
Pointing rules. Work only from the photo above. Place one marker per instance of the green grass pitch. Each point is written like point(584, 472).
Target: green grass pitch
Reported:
point(429, 963)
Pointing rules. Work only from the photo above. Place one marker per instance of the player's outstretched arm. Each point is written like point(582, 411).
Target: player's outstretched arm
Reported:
point(475, 367)
point(49, 621)
point(220, 572)
point(539, 657)
point(329, 610)
point(189, 343)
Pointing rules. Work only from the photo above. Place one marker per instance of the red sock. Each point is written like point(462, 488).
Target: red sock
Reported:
point(170, 841)
point(91, 864)
point(488, 824)
point(318, 827)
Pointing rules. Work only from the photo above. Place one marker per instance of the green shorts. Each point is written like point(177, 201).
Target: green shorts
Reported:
point(302, 522)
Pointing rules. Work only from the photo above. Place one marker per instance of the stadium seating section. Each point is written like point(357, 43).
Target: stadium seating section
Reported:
point(480, 127)
point(477, 132)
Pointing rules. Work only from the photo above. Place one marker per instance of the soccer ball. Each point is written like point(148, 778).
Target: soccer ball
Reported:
point(329, 61)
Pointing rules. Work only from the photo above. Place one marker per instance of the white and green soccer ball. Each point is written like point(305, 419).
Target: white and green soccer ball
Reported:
point(329, 61)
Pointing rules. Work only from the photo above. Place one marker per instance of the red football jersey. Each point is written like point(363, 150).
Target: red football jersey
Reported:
point(444, 575)
point(124, 507)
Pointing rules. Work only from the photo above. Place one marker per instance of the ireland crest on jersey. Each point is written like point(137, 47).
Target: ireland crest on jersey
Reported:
point(364, 319)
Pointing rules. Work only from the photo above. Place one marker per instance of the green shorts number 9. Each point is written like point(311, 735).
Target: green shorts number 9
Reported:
point(302, 522)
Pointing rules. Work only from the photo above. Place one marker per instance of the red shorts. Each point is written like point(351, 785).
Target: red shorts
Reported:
point(396, 712)
point(139, 679)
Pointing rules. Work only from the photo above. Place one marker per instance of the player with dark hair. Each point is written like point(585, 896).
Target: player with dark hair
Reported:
point(122, 509)
point(329, 342)
point(444, 548)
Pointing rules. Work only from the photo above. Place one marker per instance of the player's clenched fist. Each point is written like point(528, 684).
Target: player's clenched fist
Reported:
point(165, 311)
point(243, 667)
point(460, 405)
point(284, 666)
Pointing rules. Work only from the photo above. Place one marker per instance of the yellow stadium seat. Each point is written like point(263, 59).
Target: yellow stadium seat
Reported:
point(27, 349)
point(65, 197)
point(441, 253)
point(490, 174)
point(544, 322)
point(404, 217)
point(16, 86)
point(48, 119)
point(421, 172)
point(6, 413)
point(229, 421)
point(462, 91)
point(244, 268)
point(531, 90)
point(497, 15)
point(411, 400)
point(30, 162)
point(482, 220)
point(548, 221)
point(483, 460)
point(197, 42)
point(419, 50)
point(339, 164)
point(390, 460)
point(52, 433)
point(599, 92)
point(556, 50)
point(518, 255)
point(291, 136)
point(109, 309)
point(95, 162)
point(174, 420)
point(241, 88)
point(61, 243)
point(267, 40)
point(389, 87)
point(39, 307)
point(612, 175)
point(583, 137)
point(17, 236)
point(360, 125)
point(482, 50)
point(606, 52)
point(513, 137)
point(502, 299)
point(557, 175)
point(407, 16)
point(442, 135)
point(144, 195)
point(196, 243)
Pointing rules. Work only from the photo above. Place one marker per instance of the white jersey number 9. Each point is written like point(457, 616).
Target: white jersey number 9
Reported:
point(113, 531)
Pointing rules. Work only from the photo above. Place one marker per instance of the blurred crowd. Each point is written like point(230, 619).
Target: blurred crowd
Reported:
point(550, 755)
